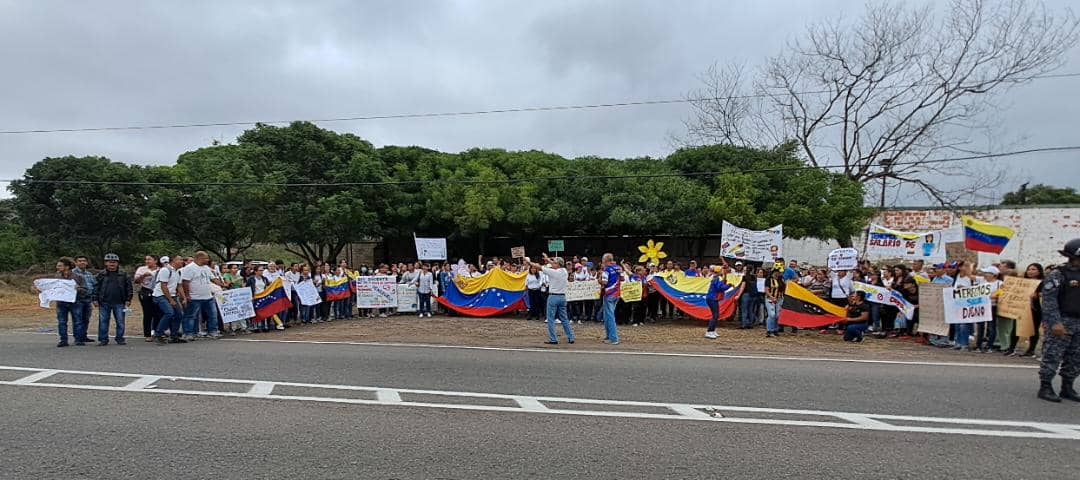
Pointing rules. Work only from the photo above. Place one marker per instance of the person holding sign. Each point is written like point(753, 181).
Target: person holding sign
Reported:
point(717, 287)
point(556, 298)
point(857, 314)
point(1061, 316)
point(65, 310)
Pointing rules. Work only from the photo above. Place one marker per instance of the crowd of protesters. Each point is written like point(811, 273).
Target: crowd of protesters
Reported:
point(177, 303)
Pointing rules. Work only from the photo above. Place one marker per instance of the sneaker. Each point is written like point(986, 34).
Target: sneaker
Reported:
point(202, 335)
point(102, 344)
point(711, 335)
point(80, 344)
point(769, 335)
point(215, 335)
point(188, 338)
point(62, 344)
point(150, 339)
point(160, 340)
point(280, 327)
point(121, 341)
point(382, 315)
point(177, 340)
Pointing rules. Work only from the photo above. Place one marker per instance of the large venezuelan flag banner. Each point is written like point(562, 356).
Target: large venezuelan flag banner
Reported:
point(985, 237)
point(802, 309)
point(496, 292)
point(688, 295)
point(337, 289)
point(271, 301)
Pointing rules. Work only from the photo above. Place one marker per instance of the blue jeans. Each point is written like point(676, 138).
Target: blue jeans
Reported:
point(191, 316)
point(556, 309)
point(714, 311)
point(170, 318)
point(63, 311)
point(423, 302)
point(116, 310)
point(875, 316)
point(772, 317)
point(305, 312)
point(609, 319)
point(86, 312)
point(854, 332)
point(746, 305)
point(963, 334)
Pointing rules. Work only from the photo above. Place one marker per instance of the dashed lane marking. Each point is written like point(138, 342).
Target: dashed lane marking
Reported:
point(527, 404)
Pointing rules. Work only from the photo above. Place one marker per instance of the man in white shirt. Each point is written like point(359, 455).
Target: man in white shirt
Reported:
point(167, 298)
point(195, 282)
point(556, 301)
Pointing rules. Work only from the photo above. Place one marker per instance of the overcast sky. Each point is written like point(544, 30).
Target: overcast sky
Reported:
point(105, 63)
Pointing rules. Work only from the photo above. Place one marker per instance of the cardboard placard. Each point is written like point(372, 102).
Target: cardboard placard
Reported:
point(932, 310)
point(1015, 303)
point(631, 291)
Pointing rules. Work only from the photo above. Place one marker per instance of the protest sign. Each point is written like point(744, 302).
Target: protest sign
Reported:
point(55, 290)
point(1015, 303)
point(377, 291)
point(932, 310)
point(430, 248)
point(555, 246)
point(517, 252)
point(235, 304)
point(967, 304)
point(582, 290)
point(885, 296)
point(631, 291)
point(407, 300)
point(886, 243)
point(757, 245)
point(309, 295)
point(761, 286)
point(843, 259)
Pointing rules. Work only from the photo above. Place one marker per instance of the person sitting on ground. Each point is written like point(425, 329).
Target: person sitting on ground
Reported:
point(858, 315)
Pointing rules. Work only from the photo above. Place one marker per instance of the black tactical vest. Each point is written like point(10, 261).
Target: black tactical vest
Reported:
point(1069, 292)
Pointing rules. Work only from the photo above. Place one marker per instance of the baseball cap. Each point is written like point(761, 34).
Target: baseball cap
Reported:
point(112, 257)
point(164, 260)
point(991, 269)
point(738, 264)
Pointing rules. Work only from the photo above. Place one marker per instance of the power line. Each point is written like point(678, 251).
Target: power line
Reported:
point(550, 108)
point(539, 179)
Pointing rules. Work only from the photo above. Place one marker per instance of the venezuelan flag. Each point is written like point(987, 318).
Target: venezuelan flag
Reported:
point(688, 295)
point(337, 289)
point(497, 292)
point(985, 237)
point(802, 309)
point(271, 301)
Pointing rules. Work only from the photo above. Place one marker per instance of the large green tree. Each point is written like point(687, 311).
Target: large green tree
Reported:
point(1042, 195)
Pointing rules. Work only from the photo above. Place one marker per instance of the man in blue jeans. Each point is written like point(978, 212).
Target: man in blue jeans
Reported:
point(84, 301)
point(113, 296)
point(165, 294)
point(558, 280)
point(611, 281)
point(195, 281)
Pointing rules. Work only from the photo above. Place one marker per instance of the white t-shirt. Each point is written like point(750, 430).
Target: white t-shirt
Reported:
point(841, 287)
point(271, 276)
point(198, 278)
point(534, 282)
point(148, 277)
point(170, 277)
point(556, 278)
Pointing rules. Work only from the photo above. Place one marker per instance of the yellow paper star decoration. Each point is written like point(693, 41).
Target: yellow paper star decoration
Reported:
point(650, 252)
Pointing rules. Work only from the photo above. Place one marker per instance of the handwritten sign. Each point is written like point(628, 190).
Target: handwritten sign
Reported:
point(407, 300)
point(55, 290)
point(1015, 303)
point(631, 291)
point(377, 291)
point(309, 295)
point(517, 252)
point(932, 310)
point(843, 259)
point(757, 245)
point(235, 305)
point(967, 304)
point(430, 248)
point(582, 290)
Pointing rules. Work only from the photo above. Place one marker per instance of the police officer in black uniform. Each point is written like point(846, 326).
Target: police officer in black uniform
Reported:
point(1061, 317)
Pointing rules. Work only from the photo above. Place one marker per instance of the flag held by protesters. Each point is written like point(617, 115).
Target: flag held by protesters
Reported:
point(985, 237)
point(337, 289)
point(802, 309)
point(688, 295)
point(271, 301)
point(496, 292)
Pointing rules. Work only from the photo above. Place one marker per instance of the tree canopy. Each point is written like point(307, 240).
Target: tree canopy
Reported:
point(315, 191)
point(1042, 195)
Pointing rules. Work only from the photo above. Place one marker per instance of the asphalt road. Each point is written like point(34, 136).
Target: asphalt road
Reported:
point(62, 433)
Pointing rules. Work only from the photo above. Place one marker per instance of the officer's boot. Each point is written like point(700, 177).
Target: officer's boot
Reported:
point(1046, 392)
point(1067, 391)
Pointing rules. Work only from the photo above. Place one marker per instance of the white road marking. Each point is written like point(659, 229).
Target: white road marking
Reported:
point(590, 407)
point(142, 382)
point(656, 354)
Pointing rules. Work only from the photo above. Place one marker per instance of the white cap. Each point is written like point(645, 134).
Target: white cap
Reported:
point(164, 260)
point(991, 269)
point(738, 264)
